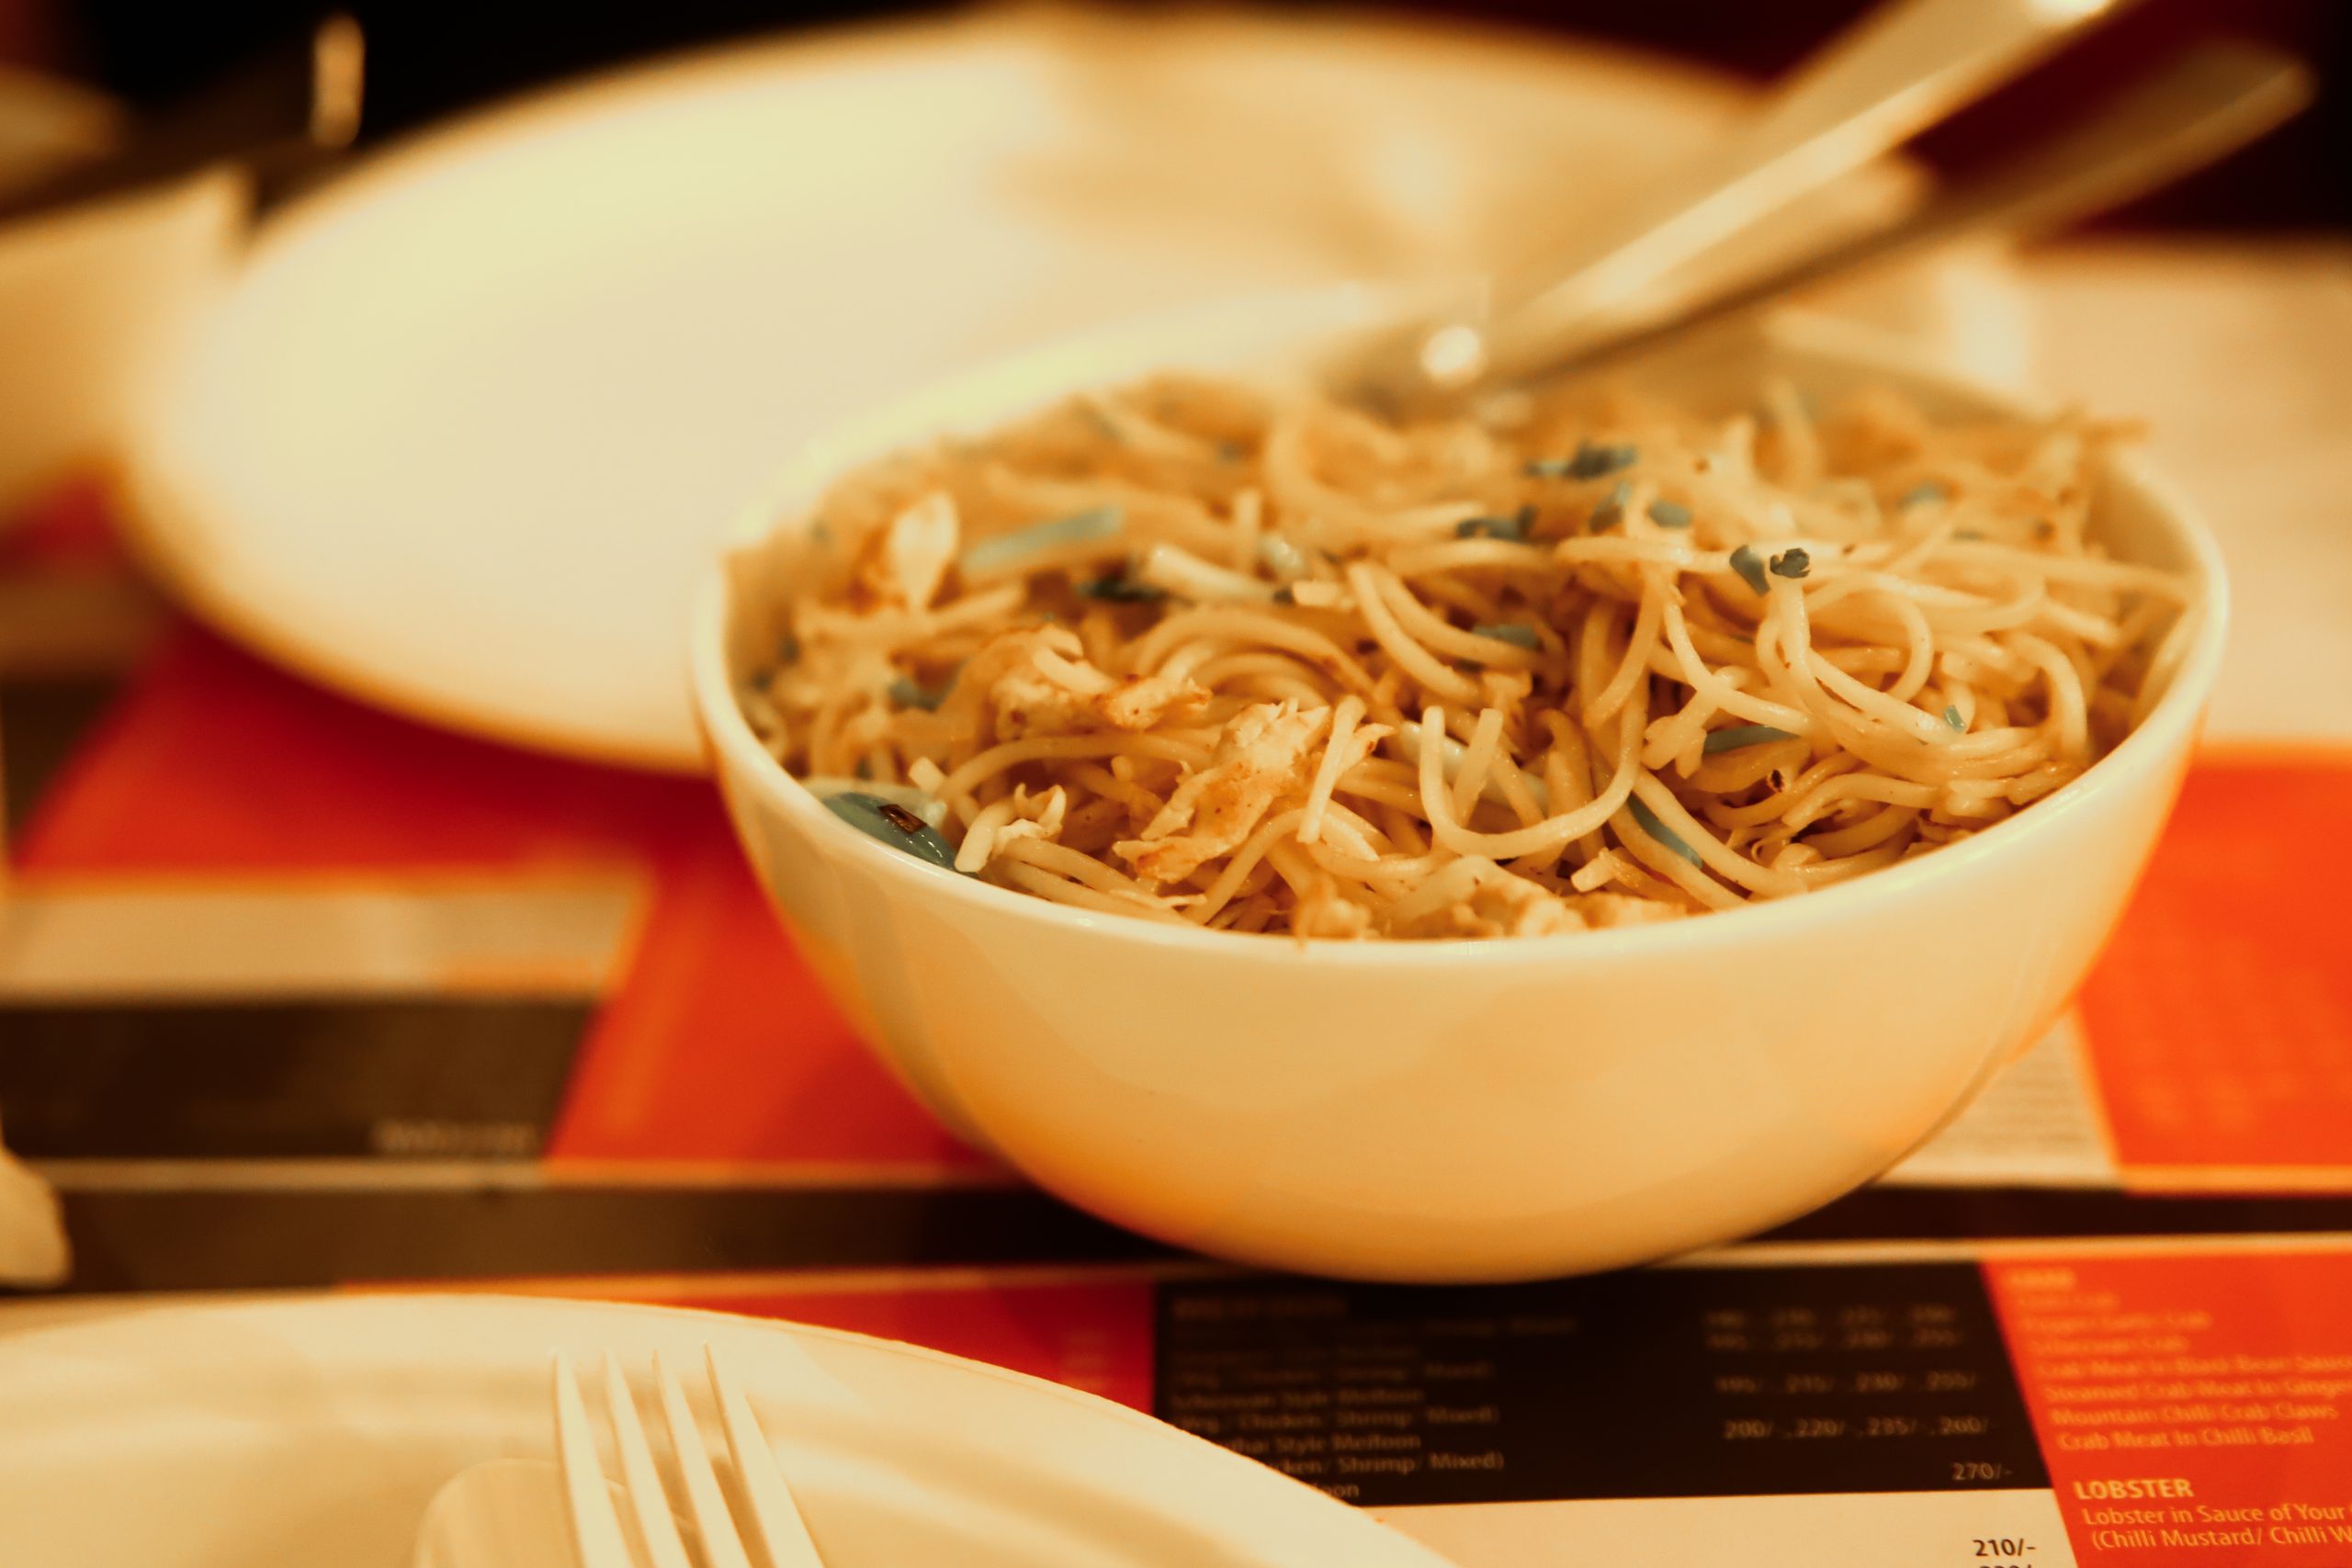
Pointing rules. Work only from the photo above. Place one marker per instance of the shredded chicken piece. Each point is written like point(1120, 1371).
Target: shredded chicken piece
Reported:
point(1019, 815)
point(906, 560)
point(1037, 680)
point(1505, 905)
point(1036, 816)
point(1603, 910)
point(1323, 911)
point(1261, 758)
point(1360, 744)
point(838, 652)
point(1141, 702)
point(971, 703)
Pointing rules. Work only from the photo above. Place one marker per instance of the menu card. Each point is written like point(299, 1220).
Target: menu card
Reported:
point(2171, 1404)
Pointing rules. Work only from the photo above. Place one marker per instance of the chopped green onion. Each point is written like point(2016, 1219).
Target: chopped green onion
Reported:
point(1511, 632)
point(1229, 451)
point(1791, 564)
point(1010, 550)
point(1924, 492)
point(1118, 588)
point(1732, 740)
point(1951, 716)
point(1513, 527)
point(1670, 514)
point(907, 694)
point(1660, 831)
point(1611, 511)
point(893, 824)
point(788, 651)
point(1592, 461)
point(1969, 536)
point(1750, 567)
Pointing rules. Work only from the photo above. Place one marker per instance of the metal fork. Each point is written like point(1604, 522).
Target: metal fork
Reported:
point(597, 1537)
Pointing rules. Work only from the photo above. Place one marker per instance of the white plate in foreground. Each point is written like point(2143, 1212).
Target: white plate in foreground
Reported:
point(315, 1430)
point(474, 419)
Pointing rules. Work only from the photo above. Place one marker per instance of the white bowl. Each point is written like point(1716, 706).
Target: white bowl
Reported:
point(1463, 1110)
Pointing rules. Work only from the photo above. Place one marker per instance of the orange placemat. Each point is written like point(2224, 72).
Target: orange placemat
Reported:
point(2220, 1018)
point(397, 1003)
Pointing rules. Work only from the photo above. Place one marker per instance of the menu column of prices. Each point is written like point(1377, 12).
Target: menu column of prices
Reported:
point(2195, 1409)
point(1761, 1415)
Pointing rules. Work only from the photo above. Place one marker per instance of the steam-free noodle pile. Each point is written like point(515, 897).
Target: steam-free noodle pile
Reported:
point(1199, 653)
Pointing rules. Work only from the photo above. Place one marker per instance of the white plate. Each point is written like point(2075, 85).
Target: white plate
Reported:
point(476, 418)
point(315, 1430)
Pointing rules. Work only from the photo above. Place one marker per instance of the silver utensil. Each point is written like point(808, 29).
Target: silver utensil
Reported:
point(771, 1519)
point(2205, 105)
point(1905, 67)
point(527, 1513)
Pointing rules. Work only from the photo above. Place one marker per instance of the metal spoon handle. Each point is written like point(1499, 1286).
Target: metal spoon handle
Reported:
point(1905, 67)
point(2203, 106)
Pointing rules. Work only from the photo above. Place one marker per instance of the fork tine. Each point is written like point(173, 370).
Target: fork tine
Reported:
point(721, 1546)
point(783, 1533)
point(596, 1538)
point(647, 1500)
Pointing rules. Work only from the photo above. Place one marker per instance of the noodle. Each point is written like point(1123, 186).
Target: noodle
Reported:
point(1267, 664)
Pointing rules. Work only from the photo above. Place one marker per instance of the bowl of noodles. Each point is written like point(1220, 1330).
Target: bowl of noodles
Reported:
point(1613, 820)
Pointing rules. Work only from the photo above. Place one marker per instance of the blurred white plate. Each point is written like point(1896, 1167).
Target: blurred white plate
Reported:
point(473, 421)
point(315, 1430)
